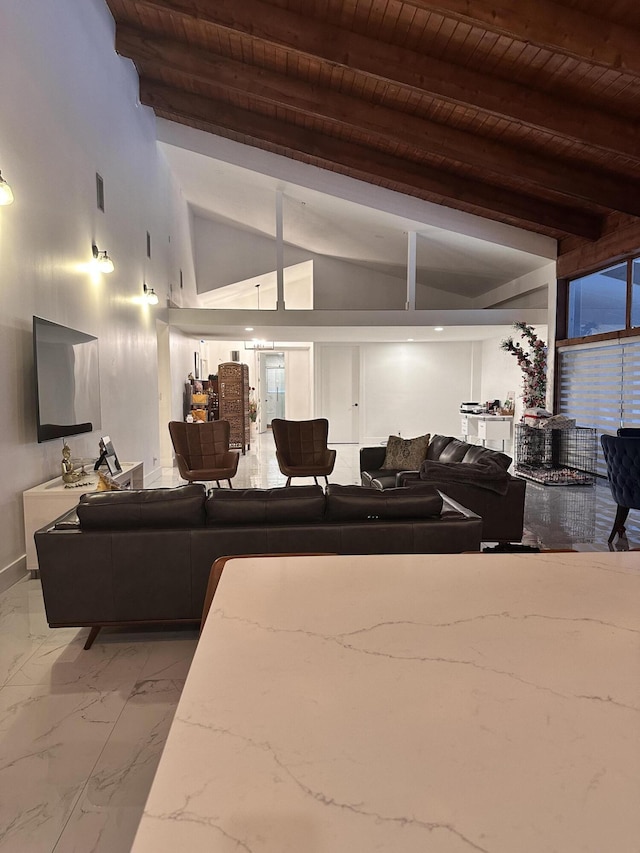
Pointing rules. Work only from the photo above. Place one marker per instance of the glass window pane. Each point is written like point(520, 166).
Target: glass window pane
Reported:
point(597, 302)
point(635, 292)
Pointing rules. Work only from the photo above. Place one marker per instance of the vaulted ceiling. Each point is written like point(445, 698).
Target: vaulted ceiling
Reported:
point(523, 111)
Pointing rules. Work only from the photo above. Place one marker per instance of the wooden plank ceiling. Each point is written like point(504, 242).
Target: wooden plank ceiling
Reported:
point(522, 111)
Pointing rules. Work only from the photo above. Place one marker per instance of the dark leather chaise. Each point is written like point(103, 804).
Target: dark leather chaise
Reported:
point(475, 476)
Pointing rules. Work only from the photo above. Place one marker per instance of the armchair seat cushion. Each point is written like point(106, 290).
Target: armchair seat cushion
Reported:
point(225, 468)
point(308, 469)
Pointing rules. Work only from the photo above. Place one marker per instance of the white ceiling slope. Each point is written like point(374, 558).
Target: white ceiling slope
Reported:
point(333, 215)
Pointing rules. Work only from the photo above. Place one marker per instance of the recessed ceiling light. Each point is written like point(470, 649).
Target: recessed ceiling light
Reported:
point(249, 329)
point(438, 328)
point(410, 339)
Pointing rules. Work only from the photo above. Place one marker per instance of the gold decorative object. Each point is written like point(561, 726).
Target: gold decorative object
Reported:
point(69, 475)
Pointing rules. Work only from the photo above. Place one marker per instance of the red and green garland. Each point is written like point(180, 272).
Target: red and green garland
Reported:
point(533, 365)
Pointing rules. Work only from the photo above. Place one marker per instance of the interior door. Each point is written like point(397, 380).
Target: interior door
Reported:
point(339, 383)
point(272, 388)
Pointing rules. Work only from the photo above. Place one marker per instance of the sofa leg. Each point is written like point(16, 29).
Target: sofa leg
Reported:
point(288, 483)
point(93, 633)
point(230, 484)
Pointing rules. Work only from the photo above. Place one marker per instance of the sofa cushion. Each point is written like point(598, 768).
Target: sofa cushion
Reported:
point(454, 451)
point(437, 445)
point(477, 453)
point(487, 473)
point(287, 505)
point(405, 454)
point(356, 503)
point(182, 506)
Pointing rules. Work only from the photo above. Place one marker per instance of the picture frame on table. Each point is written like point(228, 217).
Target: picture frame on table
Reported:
point(108, 456)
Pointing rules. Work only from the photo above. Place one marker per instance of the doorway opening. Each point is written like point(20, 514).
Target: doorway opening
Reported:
point(272, 388)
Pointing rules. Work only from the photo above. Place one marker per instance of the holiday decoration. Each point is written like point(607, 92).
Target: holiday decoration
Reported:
point(533, 364)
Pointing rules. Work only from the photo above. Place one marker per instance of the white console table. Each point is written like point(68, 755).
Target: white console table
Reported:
point(46, 502)
point(487, 427)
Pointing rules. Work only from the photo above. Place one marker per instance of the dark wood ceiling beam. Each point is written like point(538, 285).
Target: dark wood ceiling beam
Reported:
point(369, 165)
point(562, 177)
point(545, 23)
point(412, 70)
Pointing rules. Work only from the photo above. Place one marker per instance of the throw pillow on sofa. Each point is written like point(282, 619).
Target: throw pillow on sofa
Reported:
point(406, 454)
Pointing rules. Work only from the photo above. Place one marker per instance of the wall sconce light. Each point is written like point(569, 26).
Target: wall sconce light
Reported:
point(150, 295)
point(6, 193)
point(101, 260)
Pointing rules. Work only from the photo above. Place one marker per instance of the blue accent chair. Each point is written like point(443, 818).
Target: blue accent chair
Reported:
point(622, 457)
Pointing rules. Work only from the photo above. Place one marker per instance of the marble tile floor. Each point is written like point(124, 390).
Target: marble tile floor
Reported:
point(81, 733)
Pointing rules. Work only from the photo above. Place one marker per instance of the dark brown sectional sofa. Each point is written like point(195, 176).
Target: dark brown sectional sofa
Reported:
point(475, 476)
point(145, 556)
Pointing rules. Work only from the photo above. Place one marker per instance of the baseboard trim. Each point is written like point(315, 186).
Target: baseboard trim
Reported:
point(13, 573)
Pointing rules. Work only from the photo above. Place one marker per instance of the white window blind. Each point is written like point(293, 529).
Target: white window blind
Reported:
point(599, 386)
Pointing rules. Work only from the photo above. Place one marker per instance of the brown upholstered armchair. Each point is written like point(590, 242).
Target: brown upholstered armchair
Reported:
point(301, 448)
point(202, 451)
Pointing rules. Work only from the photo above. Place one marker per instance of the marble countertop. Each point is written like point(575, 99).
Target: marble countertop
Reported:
point(441, 703)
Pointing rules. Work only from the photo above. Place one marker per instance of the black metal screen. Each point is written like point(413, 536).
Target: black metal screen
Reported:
point(556, 457)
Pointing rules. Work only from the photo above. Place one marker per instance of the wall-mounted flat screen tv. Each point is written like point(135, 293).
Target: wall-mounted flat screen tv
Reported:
point(67, 380)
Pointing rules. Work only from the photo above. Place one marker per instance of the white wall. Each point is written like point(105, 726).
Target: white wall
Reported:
point(182, 348)
point(69, 110)
point(500, 373)
point(262, 291)
point(298, 377)
point(225, 255)
point(219, 352)
point(527, 291)
point(413, 388)
point(532, 299)
point(345, 285)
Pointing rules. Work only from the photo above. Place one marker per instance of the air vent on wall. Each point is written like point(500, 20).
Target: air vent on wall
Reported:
point(100, 192)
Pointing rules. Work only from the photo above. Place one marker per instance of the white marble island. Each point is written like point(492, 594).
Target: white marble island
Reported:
point(409, 703)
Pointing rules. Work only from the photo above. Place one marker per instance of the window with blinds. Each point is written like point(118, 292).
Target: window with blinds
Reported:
point(599, 386)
